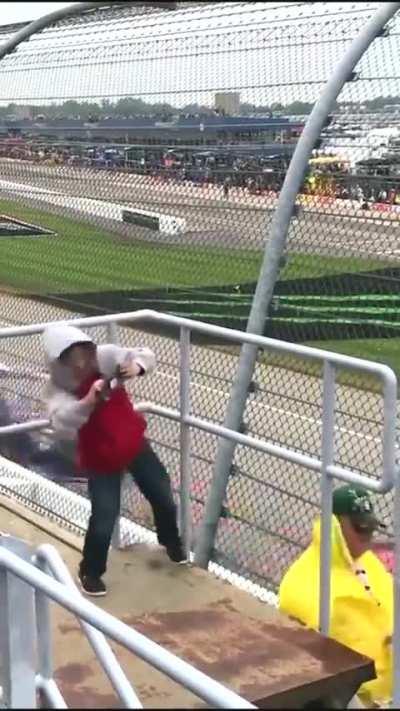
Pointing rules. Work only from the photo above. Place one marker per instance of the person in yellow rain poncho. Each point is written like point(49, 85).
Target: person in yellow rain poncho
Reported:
point(361, 589)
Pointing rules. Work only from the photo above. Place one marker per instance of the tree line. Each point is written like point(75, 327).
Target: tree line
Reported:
point(130, 106)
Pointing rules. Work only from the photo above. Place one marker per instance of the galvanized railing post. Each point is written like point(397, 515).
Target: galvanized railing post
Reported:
point(327, 456)
point(43, 626)
point(212, 692)
point(47, 559)
point(112, 332)
point(185, 454)
point(113, 337)
point(45, 684)
point(17, 633)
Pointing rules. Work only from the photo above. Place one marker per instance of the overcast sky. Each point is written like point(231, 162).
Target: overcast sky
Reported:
point(25, 11)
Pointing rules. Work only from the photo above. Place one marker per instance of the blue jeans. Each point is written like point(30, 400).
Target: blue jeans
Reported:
point(153, 481)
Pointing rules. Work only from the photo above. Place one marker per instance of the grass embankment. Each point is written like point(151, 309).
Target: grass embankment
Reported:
point(82, 257)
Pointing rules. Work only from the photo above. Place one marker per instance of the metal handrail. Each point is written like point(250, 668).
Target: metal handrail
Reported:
point(332, 362)
point(234, 335)
point(47, 557)
point(336, 360)
point(211, 691)
point(293, 456)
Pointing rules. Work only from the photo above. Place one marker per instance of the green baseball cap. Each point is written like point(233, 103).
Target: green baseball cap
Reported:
point(355, 502)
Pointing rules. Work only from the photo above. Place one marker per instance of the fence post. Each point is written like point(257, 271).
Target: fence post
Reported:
point(274, 251)
point(327, 456)
point(116, 538)
point(48, 560)
point(17, 632)
point(185, 457)
point(43, 627)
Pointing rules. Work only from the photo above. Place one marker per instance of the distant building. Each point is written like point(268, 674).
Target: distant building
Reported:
point(228, 102)
point(22, 112)
point(189, 131)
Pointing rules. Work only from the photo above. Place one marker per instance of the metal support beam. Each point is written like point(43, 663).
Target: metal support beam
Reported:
point(48, 560)
point(274, 250)
point(184, 437)
point(112, 331)
point(17, 632)
point(327, 460)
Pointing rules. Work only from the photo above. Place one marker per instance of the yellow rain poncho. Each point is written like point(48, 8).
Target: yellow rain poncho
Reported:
point(360, 619)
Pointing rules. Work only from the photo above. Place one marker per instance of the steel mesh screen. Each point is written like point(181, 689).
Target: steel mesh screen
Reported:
point(142, 152)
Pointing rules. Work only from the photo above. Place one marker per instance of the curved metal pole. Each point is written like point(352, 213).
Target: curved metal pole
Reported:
point(270, 270)
point(48, 556)
point(77, 8)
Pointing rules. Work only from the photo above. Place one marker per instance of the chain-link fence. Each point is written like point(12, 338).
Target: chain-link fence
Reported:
point(142, 152)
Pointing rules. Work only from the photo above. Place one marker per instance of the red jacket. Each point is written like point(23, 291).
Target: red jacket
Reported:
point(113, 434)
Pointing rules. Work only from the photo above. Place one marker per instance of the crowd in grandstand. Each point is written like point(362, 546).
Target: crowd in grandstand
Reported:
point(256, 174)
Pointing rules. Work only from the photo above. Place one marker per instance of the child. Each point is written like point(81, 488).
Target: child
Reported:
point(86, 401)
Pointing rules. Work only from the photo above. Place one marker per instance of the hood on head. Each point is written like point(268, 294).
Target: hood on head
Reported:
point(340, 553)
point(57, 338)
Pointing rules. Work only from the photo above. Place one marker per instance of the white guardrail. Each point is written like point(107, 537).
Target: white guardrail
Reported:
point(331, 363)
point(26, 635)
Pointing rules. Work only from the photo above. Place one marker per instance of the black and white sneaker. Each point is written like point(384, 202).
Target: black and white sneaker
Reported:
point(176, 553)
point(92, 586)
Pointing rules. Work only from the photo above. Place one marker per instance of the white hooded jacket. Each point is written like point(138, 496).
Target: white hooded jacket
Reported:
point(67, 414)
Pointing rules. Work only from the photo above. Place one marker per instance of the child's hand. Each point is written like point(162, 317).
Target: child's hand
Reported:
point(94, 393)
point(130, 369)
